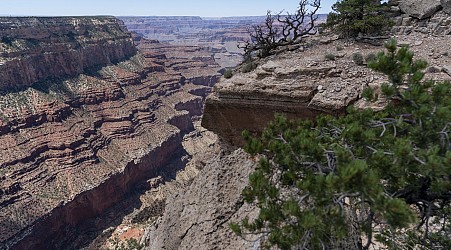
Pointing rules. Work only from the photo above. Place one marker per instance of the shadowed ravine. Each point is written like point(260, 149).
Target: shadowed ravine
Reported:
point(82, 142)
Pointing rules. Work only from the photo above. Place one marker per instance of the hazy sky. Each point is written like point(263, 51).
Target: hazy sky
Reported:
point(205, 8)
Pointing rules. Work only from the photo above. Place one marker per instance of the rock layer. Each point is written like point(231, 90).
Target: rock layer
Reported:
point(72, 147)
point(221, 35)
point(297, 84)
point(34, 49)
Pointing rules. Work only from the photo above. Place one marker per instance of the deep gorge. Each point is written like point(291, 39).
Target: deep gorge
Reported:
point(86, 120)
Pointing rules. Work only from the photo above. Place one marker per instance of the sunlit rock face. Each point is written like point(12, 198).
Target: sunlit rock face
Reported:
point(84, 118)
point(34, 49)
point(427, 17)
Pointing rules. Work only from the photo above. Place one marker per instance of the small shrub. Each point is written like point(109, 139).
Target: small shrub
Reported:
point(129, 244)
point(228, 74)
point(248, 67)
point(339, 48)
point(330, 57)
point(357, 58)
point(370, 57)
point(7, 40)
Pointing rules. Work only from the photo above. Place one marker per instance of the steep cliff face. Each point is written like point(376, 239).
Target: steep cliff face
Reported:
point(75, 139)
point(198, 217)
point(296, 83)
point(34, 49)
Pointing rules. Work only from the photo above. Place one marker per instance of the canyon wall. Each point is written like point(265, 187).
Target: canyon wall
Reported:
point(192, 29)
point(84, 119)
point(34, 49)
point(219, 35)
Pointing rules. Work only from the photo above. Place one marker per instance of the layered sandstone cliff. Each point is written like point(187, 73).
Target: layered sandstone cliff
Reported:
point(220, 35)
point(304, 83)
point(84, 120)
point(34, 49)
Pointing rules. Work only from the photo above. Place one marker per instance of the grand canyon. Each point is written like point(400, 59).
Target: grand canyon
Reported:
point(121, 128)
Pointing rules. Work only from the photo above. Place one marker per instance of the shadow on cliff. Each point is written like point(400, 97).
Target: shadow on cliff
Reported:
point(92, 233)
point(56, 83)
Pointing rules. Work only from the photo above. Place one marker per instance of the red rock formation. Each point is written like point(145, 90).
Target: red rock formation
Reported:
point(72, 147)
point(34, 49)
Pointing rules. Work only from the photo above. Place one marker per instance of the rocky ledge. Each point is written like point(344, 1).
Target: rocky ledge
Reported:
point(323, 77)
point(75, 141)
point(298, 84)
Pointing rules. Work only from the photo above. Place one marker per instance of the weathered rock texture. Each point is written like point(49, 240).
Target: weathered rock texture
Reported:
point(446, 4)
point(428, 17)
point(300, 83)
point(34, 49)
point(303, 83)
point(72, 147)
point(297, 84)
point(198, 216)
point(420, 9)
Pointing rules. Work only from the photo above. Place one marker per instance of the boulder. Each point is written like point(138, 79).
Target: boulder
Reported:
point(420, 9)
point(446, 4)
point(393, 2)
point(447, 70)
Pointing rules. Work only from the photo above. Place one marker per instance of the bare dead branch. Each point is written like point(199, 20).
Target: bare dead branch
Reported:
point(282, 30)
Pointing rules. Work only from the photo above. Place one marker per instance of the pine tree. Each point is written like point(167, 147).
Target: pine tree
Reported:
point(383, 176)
point(351, 18)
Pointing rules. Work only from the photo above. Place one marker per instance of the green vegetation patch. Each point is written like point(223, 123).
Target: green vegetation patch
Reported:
point(367, 177)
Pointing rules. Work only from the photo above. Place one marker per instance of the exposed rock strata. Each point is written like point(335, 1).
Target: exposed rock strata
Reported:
point(297, 84)
point(220, 35)
point(304, 84)
point(34, 49)
point(196, 217)
point(72, 147)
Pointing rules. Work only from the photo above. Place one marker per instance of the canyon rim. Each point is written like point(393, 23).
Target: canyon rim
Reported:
point(123, 130)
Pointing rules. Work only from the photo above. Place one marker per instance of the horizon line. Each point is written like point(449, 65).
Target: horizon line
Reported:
point(8, 15)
